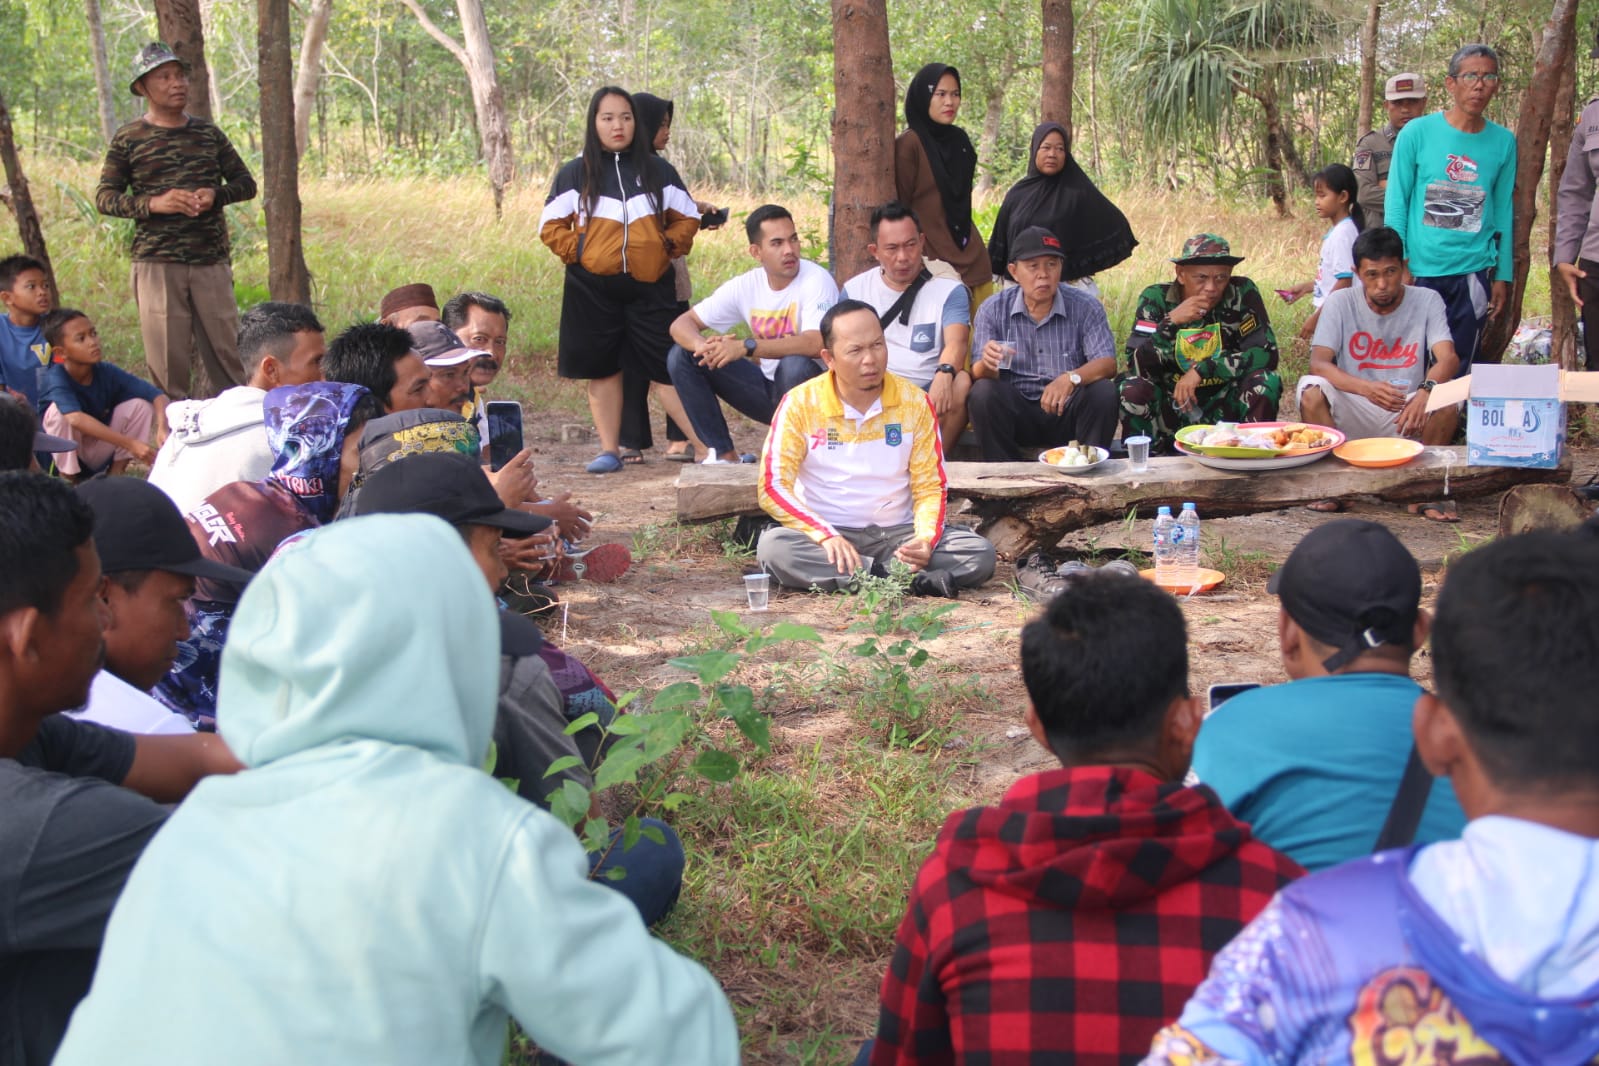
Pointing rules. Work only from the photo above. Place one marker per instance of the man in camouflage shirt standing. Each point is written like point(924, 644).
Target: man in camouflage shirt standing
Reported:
point(173, 174)
point(1201, 350)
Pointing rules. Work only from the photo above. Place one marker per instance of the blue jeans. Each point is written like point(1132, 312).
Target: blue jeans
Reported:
point(654, 871)
point(741, 384)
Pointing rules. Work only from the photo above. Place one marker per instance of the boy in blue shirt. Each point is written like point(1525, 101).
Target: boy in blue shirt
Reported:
point(24, 355)
point(102, 408)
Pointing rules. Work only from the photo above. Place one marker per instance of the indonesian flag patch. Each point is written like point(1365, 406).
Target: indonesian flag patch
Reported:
point(1144, 325)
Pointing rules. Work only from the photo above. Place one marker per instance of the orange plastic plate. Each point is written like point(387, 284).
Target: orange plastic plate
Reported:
point(1208, 579)
point(1377, 452)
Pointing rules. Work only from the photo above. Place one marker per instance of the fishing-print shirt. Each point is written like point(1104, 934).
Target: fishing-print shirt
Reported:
point(146, 160)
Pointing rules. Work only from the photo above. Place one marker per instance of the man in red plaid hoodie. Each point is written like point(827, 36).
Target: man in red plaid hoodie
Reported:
point(1072, 921)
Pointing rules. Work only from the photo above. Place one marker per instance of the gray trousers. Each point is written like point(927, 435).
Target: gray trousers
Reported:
point(796, 561)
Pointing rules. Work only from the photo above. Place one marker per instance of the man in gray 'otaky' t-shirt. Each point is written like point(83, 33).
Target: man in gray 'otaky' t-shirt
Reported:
point(1379, 349)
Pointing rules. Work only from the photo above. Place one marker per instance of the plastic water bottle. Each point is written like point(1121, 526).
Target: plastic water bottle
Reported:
point(1185, 548)
point(1165, 558)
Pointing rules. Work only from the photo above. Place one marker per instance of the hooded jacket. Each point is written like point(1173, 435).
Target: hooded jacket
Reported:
point(1072, 920)
point(628, 232)
point(372, 895)
point(1481, 951)
point(212, 443)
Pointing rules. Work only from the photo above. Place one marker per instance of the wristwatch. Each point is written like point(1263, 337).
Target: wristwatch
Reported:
point(1075, 378)
point(749, 347)
point(945, 368)
point(1427, 386)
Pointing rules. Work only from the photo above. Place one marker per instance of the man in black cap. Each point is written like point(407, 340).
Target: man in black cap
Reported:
point(173, 174)
point(80, 801)
point(149, 561)
point(21, 440)
point(533, 716)
point(1314, 765)
point(1044, 361)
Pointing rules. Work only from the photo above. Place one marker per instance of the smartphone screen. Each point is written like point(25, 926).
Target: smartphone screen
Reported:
point(505, 431)
point(1220, 694)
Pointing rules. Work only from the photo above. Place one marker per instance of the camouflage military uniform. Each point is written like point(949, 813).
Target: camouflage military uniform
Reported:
point(1232, 346)
point(1373, 153)
point(182, 281)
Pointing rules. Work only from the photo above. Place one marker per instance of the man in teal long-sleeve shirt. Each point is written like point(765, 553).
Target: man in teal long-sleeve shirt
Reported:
point(1448, 196)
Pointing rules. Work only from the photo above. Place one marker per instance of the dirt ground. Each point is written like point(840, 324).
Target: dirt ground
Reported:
point(627, 631)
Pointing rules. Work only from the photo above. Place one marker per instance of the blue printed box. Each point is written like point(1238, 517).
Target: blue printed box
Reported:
point(1516, 415)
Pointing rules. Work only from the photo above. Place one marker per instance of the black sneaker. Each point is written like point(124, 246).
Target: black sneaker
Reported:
point(1037, 580)
point(934, 583)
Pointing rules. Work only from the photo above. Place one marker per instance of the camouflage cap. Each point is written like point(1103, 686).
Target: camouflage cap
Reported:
point(1207, 248)
point(151, 56)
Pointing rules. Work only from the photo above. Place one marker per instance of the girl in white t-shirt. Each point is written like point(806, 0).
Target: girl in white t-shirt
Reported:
point(1335, 201)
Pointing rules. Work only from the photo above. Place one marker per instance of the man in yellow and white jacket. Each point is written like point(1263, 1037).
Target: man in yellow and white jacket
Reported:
point(853, 469)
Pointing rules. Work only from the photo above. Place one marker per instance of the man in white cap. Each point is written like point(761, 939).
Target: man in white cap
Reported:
point(1404, 98)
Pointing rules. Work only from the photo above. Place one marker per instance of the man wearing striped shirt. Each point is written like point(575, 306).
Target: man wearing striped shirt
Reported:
point(1045, 366)
point(853, 469)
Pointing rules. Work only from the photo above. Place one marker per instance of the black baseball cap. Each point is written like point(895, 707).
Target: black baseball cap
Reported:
point(1352, 585)
point(138, 527)
point(451, 486)
point(1033, 242)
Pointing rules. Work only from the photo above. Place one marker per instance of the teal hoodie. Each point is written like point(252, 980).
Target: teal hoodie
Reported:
point(366, 894)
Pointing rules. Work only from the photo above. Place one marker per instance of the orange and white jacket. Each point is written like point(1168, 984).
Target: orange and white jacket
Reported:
point(623, 236)
point(825, 465)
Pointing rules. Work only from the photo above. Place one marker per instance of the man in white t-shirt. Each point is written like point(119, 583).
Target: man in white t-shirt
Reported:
point(927, 321)
point(1379, 349)
point(149, 561)
point(782, 301)
point(219, 441)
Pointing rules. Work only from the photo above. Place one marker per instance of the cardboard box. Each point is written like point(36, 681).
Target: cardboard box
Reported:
point(1516, 415)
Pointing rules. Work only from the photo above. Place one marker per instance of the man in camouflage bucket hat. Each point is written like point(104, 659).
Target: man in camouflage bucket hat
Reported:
point(173, 174)
point(1201, 349)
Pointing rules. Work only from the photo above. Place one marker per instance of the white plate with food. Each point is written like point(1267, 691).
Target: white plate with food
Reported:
point(1073, 458)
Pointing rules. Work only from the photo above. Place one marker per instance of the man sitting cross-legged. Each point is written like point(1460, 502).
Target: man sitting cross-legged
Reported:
point(1071, 921)
point(782, 302)
point(1479, 950)
point(854, 471)
point(1314, 765)
point(370, 894)
point(1045, 361)
point(70, 834)
point(927, 321)
point(219, 441)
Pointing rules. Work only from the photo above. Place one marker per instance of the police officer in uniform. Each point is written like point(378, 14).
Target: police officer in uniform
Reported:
point(1404, 98)
point(1577, 223)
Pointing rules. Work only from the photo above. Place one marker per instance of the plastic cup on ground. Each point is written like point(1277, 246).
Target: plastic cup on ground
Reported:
point(757, 587)
point(1137, 453)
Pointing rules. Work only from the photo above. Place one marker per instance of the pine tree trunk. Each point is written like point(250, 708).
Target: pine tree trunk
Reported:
point(178, 22)
point(863, 130)
point(1059, 41)
point(1368, 67)
point(1563, 324)
point(310, 72)
point(1532, 141)
point(287, 277)
point(28, 227)
point(102, 70)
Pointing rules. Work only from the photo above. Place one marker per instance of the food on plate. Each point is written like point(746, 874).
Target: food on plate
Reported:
point(1291, 436)
point(1074, 454)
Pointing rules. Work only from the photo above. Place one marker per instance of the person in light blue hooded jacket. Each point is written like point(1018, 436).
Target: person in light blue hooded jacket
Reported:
point(371, 895)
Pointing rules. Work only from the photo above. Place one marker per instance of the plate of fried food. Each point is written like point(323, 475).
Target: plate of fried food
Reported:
point(1257, 445)
point(1073, 458)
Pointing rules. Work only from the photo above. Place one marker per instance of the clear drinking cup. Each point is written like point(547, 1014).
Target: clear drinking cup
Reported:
point(757, 587)
point(1137, 453)
point(1008, 354)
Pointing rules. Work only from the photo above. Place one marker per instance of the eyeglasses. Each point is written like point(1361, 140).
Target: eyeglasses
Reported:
point(1472, 77)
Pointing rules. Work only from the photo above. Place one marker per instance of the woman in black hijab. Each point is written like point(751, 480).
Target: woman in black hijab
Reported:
point(1057, 195)
point(934, 167)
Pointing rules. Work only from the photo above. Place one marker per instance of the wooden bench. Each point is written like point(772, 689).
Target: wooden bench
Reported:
point(1025, 506)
